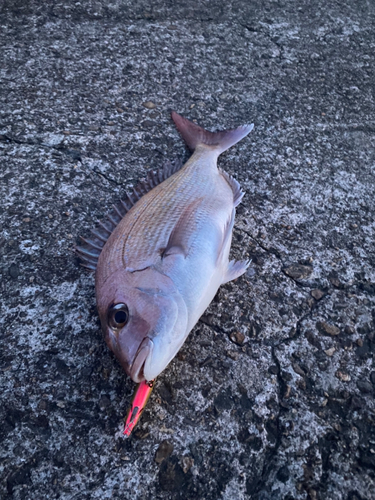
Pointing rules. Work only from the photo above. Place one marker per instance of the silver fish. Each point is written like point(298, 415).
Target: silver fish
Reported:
point(164, 251)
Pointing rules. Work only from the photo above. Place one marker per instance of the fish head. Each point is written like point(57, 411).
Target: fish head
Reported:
point(144, 320)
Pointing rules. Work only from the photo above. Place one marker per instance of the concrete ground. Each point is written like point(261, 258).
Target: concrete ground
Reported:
point(272, 395)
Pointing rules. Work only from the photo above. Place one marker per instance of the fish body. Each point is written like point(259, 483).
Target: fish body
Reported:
point(163, 263)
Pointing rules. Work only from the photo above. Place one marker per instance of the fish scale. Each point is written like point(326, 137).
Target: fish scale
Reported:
point(132, 242)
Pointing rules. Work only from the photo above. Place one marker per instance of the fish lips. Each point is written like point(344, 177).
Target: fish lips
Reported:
point(132, 356)
point(136, 371)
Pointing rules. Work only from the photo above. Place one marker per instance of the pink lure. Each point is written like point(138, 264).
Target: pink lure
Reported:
point(141, 395)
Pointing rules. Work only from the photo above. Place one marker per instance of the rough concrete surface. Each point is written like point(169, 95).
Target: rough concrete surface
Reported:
point(272, 395)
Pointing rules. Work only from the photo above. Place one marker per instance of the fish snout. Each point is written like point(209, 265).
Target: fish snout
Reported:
point(131, 354)
point(137, 368)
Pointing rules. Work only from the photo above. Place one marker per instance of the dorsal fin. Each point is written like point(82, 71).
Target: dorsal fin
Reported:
point(238, 194)
point(90, 250)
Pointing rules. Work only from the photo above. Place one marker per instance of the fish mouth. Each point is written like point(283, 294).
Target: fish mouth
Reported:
point(137, 368)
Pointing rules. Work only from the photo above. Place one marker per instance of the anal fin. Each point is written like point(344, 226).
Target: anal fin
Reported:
point(235, 269)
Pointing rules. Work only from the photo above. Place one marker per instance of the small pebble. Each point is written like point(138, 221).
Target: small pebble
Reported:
point(317, 294)
point(237, 337)
point(330, 351)
point(343, 376)
point(310, 302)
point(335, 282)
point(232, 355)
point(166, 430)
point(149, 105)
point(186, 463)
point(148, 123)
point(298, 369)
point(298, 271)
point(43, 405)
point(141, 434)
point(330, 329)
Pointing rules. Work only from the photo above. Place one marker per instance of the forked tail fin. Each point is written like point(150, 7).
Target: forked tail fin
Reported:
point(195, 135)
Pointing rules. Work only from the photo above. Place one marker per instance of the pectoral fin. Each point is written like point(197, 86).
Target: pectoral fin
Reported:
point(180, 238)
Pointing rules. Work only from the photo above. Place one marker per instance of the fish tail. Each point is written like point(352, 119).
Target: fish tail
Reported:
point(195, 135)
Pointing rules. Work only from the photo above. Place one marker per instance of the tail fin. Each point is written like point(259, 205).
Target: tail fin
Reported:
point(195, 135)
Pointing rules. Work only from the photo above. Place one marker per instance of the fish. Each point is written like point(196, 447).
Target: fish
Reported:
point(162, 253)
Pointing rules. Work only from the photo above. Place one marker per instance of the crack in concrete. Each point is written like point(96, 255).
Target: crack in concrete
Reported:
point(107, 178)
point(278, 256)
point(67, 151)
point(251, 29)
point(216, 328)
point(269, 464)
point(266, 249)
point(77, 156)
point(272, 452)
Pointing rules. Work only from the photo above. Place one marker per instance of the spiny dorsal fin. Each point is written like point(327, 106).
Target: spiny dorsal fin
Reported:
point(90, 249)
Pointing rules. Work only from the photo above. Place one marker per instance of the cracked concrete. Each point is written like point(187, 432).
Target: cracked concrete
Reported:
point(272, 395)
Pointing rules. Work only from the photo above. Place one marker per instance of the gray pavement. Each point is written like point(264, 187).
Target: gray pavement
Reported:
point(272, 395)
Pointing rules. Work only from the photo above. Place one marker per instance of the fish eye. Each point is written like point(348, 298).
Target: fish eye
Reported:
point(118, 316)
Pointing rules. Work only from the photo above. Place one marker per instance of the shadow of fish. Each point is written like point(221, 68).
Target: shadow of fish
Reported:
point(162, 253)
